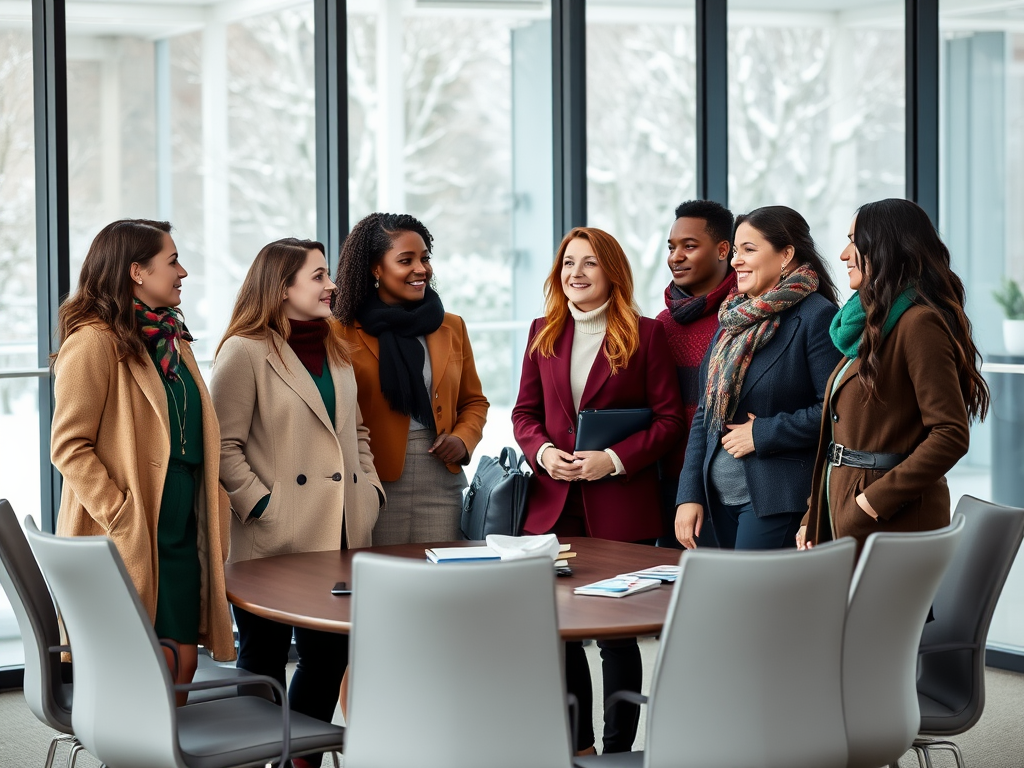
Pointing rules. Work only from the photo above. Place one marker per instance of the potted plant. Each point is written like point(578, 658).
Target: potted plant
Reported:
point(1010, 298)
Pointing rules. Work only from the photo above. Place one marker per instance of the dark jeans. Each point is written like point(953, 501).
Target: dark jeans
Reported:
point(263, 647)
point(621, 669)
point(737, 527)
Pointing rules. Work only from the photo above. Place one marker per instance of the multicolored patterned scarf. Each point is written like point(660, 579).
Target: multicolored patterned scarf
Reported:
point(847, 329)
point(748, 323)
point(162, 329)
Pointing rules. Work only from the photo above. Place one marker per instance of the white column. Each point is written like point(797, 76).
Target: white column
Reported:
point(110, 132)
point(390, 108)
point(219, 289)
point(843, 129)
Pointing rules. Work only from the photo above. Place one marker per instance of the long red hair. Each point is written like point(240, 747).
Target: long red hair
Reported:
point(622, 339)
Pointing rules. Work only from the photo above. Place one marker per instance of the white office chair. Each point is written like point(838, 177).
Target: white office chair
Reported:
point(124, 711)
point(748, 672)
point(893, 587)
point(455, 666)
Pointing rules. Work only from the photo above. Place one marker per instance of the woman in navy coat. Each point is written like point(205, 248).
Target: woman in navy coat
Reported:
point(592, 350)
point(753, 438)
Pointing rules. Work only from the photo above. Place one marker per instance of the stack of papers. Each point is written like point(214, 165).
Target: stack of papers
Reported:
point(505, 548)
point(619, 586)
point(667, 574)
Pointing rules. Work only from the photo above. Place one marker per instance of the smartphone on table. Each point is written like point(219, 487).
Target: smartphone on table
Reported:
point(341, 588)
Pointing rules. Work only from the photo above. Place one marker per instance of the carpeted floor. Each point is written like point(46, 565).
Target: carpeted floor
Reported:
point(996, 742)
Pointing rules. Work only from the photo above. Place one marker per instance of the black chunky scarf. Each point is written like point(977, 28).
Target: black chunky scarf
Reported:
point(401, 354)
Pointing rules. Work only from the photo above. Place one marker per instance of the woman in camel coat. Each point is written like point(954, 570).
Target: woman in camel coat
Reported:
point(295, 454)
point(136, 438)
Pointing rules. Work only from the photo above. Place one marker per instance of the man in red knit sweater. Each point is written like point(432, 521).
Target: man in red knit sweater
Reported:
point(699, 252)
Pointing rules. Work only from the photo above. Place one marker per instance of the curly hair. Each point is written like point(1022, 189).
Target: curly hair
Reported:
point(363, 250)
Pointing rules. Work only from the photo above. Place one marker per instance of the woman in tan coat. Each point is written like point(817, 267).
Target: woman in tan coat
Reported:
point(295, 455)
point(418, 385)
point(136, 438)
point(899, 405)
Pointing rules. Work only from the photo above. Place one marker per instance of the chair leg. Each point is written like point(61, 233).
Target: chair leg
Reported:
point(926, 745)
point(73, 754)
point(57, 739)
point(924, 760)
point(334, 759)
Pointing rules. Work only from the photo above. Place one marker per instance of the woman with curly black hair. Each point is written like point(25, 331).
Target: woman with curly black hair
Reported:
point(419, 392)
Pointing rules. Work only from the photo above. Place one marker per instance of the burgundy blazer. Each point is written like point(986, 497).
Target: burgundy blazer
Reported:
point(624, 507)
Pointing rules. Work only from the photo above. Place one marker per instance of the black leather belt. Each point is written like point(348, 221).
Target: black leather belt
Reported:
point(841, 456)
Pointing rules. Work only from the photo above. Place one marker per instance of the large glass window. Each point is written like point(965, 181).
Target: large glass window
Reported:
point(450, 121)
point(19, 387)
point(202, 115)
point(982, 165)
point(816, 109)
point(641, 129)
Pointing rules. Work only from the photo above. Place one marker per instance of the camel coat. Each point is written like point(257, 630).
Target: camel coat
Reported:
point(460, 407)
point(921, 413)
point(277, 438)
point(111, 441)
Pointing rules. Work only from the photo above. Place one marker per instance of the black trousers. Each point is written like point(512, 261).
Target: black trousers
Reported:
point(621, 669)
point(263, 647)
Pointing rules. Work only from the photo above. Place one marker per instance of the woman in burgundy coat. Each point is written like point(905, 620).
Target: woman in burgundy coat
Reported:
point(593, 350)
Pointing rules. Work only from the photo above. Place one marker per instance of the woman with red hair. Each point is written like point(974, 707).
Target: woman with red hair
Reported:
point(593, 350)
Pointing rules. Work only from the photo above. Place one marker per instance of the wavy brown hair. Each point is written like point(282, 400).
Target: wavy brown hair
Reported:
point(105, 285)
point(898, 248)
point(622, 339)
point(259, 308)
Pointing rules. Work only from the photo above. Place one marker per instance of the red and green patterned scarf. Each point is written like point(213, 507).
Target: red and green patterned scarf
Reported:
point(162, 329)
point(748, 323)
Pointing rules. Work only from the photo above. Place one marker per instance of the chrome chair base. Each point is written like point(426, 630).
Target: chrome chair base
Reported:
point(923, 746)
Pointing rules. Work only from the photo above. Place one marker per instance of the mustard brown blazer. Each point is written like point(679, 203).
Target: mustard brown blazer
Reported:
point(111, 441)
point(460, 407)
point(277, 438)
point(920, 412)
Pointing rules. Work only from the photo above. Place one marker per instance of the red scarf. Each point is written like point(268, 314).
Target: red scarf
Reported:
point(307, 340)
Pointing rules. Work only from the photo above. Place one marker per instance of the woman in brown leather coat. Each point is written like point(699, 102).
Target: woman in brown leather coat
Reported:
point(899, 405)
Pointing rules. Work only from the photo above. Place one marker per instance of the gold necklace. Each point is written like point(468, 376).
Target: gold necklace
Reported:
point(183, 416)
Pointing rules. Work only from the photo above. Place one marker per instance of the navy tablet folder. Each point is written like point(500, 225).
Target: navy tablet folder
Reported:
point(600, 429)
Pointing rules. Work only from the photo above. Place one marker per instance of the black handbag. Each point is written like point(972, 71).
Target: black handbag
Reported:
point(496, 499)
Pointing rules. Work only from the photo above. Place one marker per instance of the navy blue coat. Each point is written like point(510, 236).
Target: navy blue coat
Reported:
point(784, 388)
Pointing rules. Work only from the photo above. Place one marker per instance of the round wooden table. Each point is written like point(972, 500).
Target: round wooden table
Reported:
point(296, 589)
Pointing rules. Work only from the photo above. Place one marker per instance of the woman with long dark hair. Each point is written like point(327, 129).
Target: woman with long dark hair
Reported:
point(295, 454)
point(418, 387)
point(751, 446)
point(593, 350)
point(900, 403)
point(137, 441)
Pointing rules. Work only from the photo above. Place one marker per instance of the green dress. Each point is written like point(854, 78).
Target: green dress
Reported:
point(178, 588)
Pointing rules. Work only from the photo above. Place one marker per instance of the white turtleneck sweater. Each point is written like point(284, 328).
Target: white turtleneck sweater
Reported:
point(587, 341)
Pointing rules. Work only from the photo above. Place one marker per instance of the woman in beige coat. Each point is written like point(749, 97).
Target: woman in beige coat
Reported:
point(295, 455)
point(136, 438)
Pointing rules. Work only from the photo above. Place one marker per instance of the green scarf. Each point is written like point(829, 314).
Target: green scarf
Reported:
point(847, 328)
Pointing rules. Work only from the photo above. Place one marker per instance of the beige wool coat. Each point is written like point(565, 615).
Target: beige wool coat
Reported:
point(111, 441)
point(277, 438)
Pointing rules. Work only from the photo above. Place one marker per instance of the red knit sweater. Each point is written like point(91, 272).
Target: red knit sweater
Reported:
point(689, 343)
